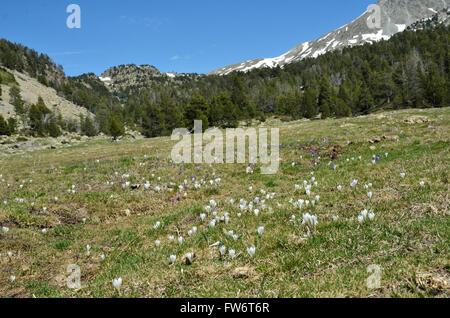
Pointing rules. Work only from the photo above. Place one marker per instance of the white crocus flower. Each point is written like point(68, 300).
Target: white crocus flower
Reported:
point(222, 250)
point(310, 220)
point(260, 230)
point(117, 283)
point(251, 251)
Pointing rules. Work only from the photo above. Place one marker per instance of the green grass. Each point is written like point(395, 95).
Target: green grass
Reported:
point(408, 238)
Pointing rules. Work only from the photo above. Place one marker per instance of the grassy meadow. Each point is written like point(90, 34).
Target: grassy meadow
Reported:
point(54, 203)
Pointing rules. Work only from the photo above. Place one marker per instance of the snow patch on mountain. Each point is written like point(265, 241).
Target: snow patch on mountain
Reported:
point(105, 79)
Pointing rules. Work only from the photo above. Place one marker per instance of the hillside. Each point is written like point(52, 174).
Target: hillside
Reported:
point(409, 70)
point(395, 16)
point(127, 80)
point(31, 89)
point(121, 210)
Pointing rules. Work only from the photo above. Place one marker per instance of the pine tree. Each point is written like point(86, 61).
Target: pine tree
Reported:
point(12, 125)
point(324, 99)
point(16, 100)
point(153, 121)
point(343, 93)
point(433, 86)
point(289, 105)
point(116, 128)
point(384, 90)
point(39, 115)
point(217, 109)
point(230, 111)
point(239, 97)
point(365, 99)
point(4, 129)
point(340, 108)
point(172, 114)
point(197, 109)
point(87, 126)
point(53, 129)
point(309, 103)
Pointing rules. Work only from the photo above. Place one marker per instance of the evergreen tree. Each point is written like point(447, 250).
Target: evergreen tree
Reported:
point(289, 105)
point(324, 98)
point(309, 103)
point(4, 129)
point(240, 99)
point(340, 108)
point(116, 128)
point(153, 121)
point(197, 109)
point(229, 110)
point(384, 89)
point(172, 114)
point(365, 99)
point(217, 109)
point(39, 115)
point(343, 93)
point(433, 87)
point(53, 129)
point(16, 100)
point(12, 125)
point(87, 126)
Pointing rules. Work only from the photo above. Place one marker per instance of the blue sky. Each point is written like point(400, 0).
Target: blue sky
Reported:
point(173, 35)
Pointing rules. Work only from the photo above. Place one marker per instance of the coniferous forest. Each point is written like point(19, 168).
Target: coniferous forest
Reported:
point(410, 70)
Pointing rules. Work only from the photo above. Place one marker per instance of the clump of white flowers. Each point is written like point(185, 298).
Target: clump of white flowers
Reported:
point(309, 220)
point(365, 215)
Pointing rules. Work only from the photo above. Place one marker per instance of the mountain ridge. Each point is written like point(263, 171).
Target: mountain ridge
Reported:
point(357, 32)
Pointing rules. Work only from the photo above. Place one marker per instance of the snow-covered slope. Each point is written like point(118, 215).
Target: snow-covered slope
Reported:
point(396, 16)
